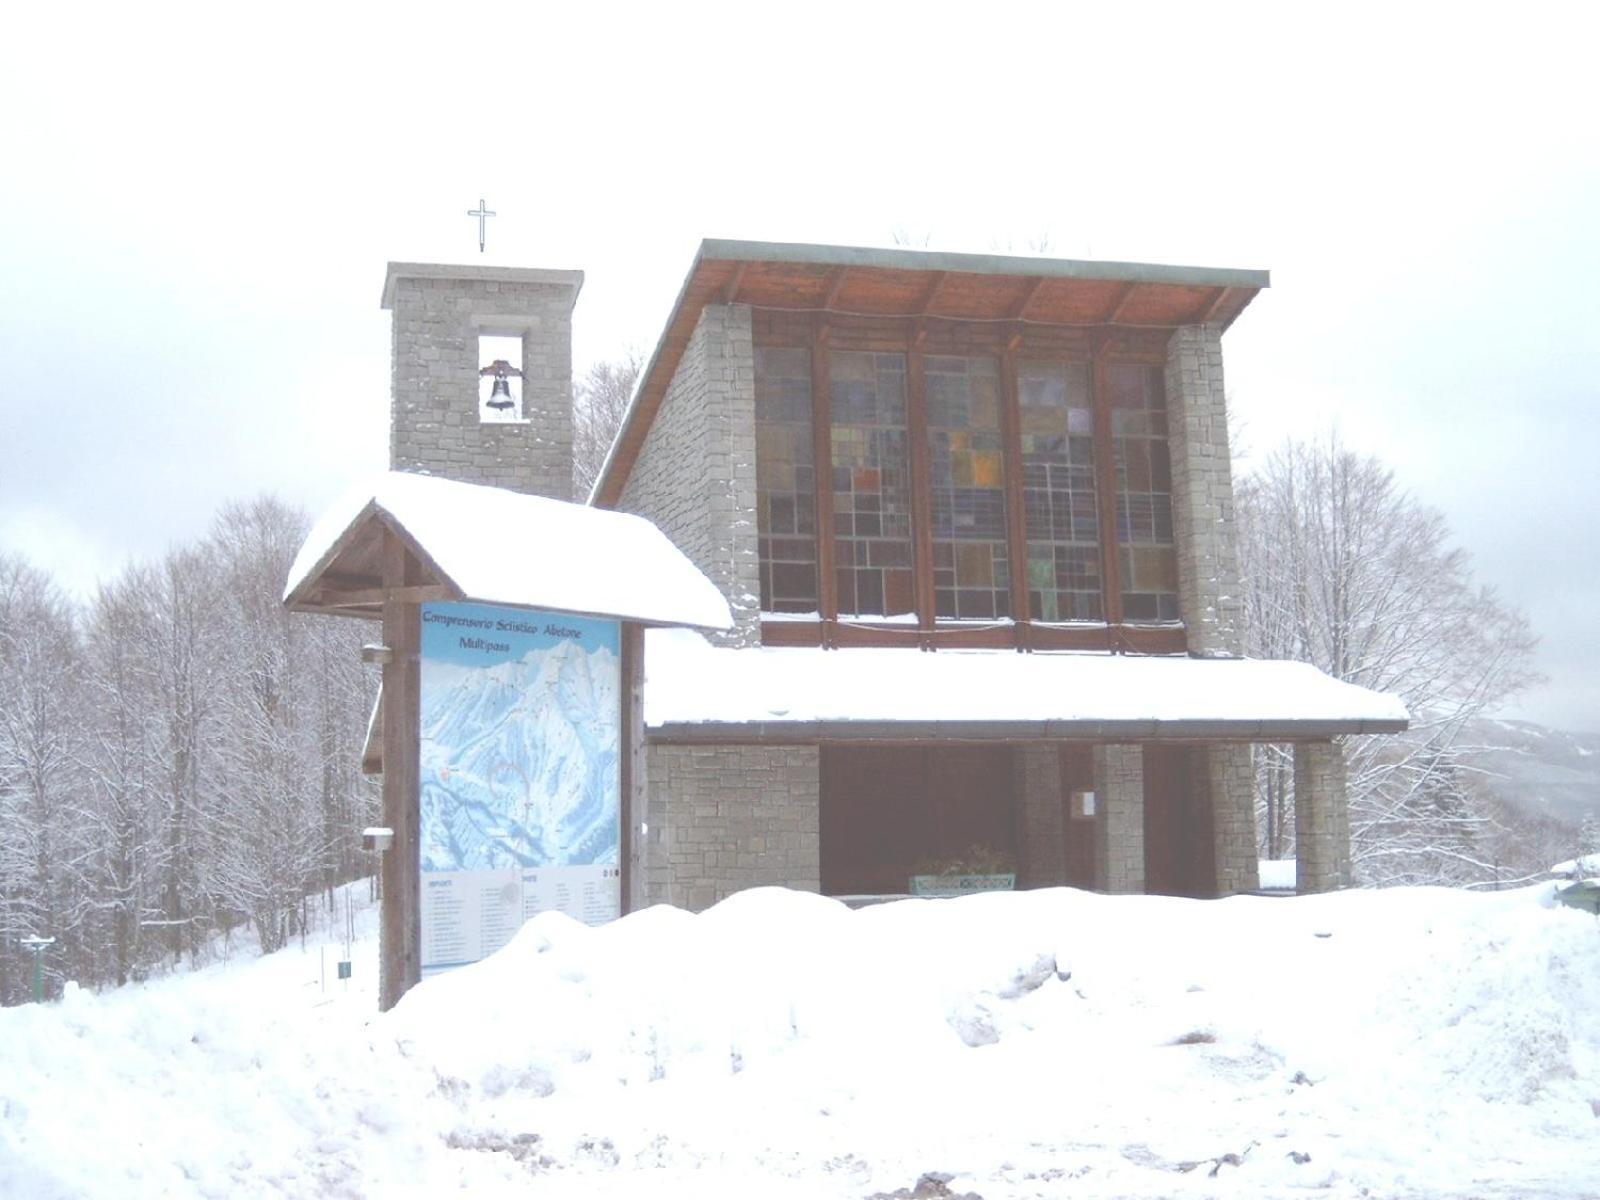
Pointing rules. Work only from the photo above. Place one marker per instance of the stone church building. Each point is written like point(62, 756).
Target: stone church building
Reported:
point(974, 518)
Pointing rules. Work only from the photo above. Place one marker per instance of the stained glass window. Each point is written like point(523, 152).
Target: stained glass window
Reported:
point(871, 484)
point(785, 481)
point(1149, 559)
point(1058, 492)
point(967, 461)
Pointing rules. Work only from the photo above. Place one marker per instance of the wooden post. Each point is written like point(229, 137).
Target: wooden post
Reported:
point(1105, 472)
point(632, 788)
point(1016, 510)
point(921, 486)
point(822, 476)
point(400, 921)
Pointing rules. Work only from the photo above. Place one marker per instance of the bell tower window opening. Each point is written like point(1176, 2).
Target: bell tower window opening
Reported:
point(500, 379)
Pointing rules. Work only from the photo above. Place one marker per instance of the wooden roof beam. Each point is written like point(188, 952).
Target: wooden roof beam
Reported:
point(932, 293)
point(1019, 311)
point(422, 593)
point(730, 294)
point(1213, 308)
point(835, 286)
point(1121, 306)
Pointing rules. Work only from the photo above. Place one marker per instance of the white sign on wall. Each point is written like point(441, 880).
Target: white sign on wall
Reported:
point(520, 774)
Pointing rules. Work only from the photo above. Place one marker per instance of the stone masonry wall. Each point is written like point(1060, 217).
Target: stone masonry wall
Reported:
point(434, 425)
point(1119, 826)
point(1209, 594)
point(1230, 784)
point(696, 473)
point(724, 818)
point(1042, 854)
point(1321, 818)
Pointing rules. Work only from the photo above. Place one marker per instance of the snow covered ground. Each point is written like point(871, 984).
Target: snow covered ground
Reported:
point(1400, 1043)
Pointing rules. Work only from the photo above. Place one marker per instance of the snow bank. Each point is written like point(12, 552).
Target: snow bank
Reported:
point(1410, 1042)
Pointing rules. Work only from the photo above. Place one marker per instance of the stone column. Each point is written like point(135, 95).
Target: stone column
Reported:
point(1041, 858)
point(1119, 821)
point(1321, 818)
point(729, 371)
point(1209, 595)
point(1233, 818)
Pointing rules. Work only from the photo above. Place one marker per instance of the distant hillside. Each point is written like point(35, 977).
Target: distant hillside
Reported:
point(1537, 772)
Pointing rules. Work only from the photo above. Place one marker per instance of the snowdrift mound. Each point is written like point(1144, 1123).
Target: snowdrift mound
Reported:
point(1410, 1042)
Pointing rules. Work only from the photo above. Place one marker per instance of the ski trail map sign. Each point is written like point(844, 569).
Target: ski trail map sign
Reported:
point(520, 774)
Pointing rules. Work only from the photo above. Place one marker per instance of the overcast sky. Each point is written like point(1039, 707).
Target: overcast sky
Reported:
point(196, 211)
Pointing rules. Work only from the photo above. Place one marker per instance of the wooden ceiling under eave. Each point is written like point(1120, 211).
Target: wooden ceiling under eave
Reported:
point(921, 285)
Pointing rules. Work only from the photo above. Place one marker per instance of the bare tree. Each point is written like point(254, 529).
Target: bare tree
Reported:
point(600, 400)
point(1344, 570)
point(41, 887)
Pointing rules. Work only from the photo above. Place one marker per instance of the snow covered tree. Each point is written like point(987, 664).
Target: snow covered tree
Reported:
point(1345, 570)
point(599, 401)
point(1589, 835)
point(42, 889)
point(177, 756)
point(119, 688)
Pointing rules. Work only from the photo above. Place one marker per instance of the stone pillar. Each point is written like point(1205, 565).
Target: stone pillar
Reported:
point(435, 426)
point(1119, 821)
point(1229, 783)
point(729, 366)
point(695, 476)
point(1209, 594)
point(1321, 818)
point(1041, 858)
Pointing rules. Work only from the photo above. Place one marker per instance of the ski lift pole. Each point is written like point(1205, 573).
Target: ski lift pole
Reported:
point(37, 944)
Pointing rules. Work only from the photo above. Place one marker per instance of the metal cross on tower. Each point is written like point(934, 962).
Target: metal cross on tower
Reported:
point(482, 213)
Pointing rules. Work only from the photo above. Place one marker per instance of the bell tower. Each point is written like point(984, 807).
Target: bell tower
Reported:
point(482, 365)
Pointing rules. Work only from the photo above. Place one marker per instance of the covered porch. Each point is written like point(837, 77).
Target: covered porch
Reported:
point(863, 768)
point(1127, 818)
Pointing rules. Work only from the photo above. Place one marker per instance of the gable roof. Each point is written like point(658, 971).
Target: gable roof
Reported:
point(499, 547)
point(919, 284)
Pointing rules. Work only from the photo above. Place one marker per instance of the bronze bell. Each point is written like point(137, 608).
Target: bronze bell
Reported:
point(500, 394)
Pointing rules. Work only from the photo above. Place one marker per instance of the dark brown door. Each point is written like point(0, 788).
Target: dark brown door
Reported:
point(1177, 825)
point(888, 810)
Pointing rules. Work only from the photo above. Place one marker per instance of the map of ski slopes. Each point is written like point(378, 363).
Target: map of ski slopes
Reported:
point(519, 773)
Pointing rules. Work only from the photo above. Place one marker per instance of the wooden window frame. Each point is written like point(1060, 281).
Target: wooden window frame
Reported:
point(1007, 344)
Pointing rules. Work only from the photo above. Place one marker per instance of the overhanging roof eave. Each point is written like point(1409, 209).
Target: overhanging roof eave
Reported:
point(1111, 730)
point(734, 250)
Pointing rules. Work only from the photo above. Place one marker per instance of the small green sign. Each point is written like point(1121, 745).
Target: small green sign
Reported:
point(960, 885)
point(344, 969)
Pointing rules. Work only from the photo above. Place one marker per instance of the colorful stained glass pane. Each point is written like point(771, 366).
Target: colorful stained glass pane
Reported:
point(1058, 491)
point(785, 481)
point(971, 577)
point(1148, 556)
point(871, 483)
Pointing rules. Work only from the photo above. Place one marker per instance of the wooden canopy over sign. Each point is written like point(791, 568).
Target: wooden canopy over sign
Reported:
point(352, 583)
point(416, 538)
point(916, 285)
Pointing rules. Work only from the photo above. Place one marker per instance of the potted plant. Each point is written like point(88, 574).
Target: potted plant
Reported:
point(980, 869)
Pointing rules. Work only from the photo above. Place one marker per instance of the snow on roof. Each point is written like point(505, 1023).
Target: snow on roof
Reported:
point(1585, 867)
point(503, 547)
point(690, 683)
